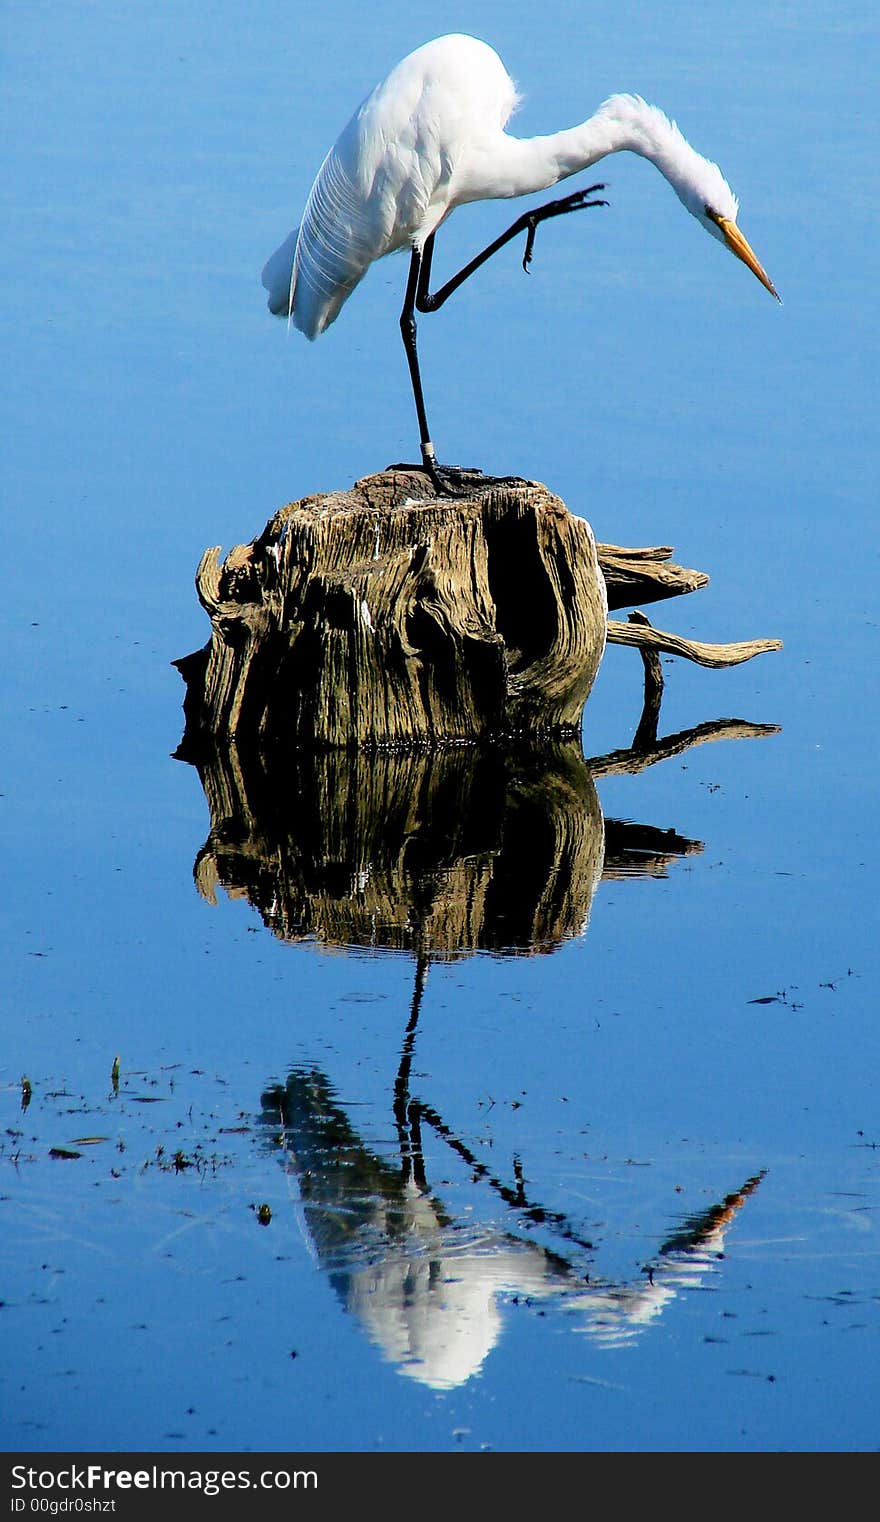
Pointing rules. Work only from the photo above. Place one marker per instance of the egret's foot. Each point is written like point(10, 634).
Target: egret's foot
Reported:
point(578, 201)
point(444, 478)
point(464, 480)
point(452, 480)
point(457, 480)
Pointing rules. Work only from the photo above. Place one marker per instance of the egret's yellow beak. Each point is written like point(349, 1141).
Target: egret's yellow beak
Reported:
point(740, 246)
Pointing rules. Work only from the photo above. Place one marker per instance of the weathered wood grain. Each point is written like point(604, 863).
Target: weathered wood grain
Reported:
point(385, 616)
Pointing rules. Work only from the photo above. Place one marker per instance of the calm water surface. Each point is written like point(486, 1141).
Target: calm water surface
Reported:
point(594, 1165)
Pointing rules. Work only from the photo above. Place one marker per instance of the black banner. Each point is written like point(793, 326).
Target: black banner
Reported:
point(135, 1485)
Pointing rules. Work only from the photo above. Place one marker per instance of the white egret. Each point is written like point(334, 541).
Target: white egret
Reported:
point(430, 138)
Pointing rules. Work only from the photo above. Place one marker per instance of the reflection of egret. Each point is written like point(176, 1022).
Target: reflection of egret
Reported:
point(406, 1118)
point(430, 138)
point(428, 1288)
point(616, 1313)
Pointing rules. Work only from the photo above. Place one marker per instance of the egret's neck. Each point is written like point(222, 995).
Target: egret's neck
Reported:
point(623, 123)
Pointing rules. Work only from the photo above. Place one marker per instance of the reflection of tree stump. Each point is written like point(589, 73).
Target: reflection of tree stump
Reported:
point(441, 853)
point(384, 616)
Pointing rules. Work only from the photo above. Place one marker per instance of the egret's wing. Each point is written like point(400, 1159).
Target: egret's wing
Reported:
point(278, 276)
point(342, 232)
point(319, 264)
point(383, 185)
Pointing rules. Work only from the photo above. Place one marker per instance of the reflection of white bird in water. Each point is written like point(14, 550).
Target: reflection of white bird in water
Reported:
point(430, 138)
point(425, 1285)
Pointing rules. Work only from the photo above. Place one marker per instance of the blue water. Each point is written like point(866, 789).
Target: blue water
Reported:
point(691, 1074)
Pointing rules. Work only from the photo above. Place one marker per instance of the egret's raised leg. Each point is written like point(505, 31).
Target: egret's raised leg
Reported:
point(527, 223)
point(419, 299)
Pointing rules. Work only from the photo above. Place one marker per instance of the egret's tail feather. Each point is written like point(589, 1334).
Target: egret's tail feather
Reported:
point(278, 277)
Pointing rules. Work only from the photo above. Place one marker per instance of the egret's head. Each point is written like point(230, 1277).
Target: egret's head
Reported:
point(702, 188)
point(724, 227)
point(698, 183)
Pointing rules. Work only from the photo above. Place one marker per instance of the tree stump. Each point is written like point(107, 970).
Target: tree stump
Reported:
point(385, 616)
point(388, 617)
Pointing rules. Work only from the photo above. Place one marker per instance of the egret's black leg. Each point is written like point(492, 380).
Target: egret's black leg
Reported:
point(408, 332)
point(446, 480)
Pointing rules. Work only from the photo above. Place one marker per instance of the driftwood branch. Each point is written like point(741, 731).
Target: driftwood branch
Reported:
point(646, 734)
point(646, 637)
point(644, 575)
